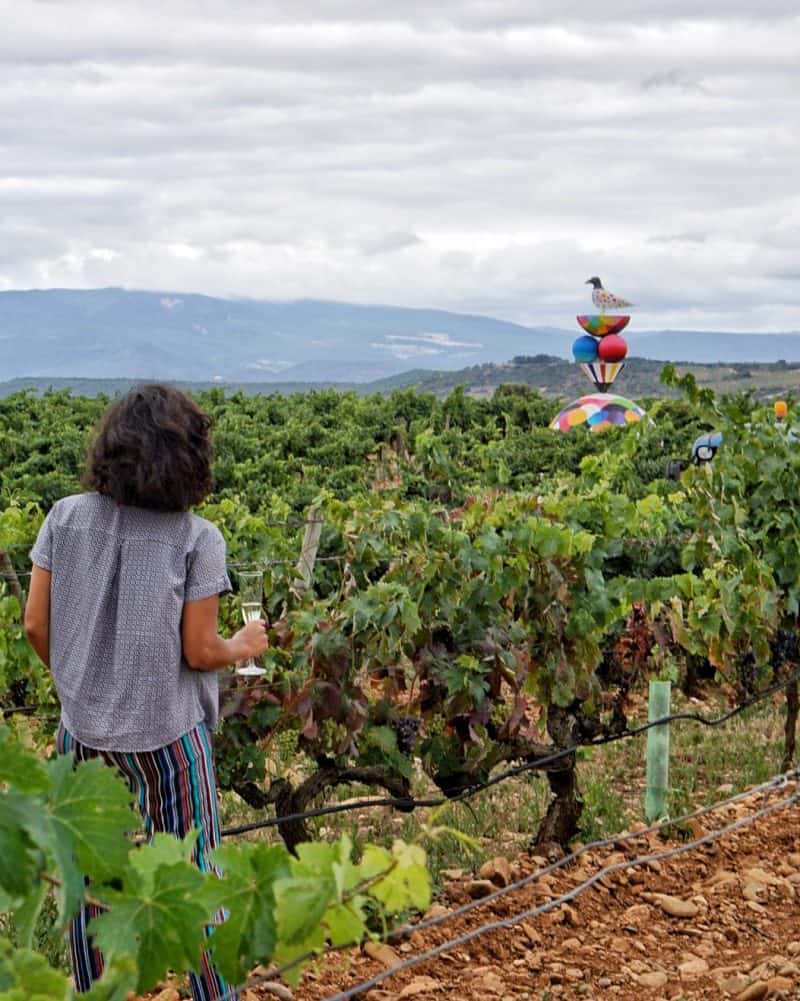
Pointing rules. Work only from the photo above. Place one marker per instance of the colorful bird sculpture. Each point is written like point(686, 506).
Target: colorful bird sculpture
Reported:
point(604, 300)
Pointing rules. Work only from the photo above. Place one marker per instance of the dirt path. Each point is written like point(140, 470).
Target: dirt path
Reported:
point(720, 921)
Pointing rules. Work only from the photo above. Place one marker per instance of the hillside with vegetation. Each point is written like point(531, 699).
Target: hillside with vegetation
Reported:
point(554, 377)
point(548, 375)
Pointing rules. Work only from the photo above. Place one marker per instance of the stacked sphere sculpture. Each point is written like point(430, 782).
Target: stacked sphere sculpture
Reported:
point(601, 342)
point(601, 352)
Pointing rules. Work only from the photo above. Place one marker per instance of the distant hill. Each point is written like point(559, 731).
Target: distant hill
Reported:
point(553, 376)
point(112, 332)
point(105, 333)
point(113, 387)
point(711, 346)
point(547, 374)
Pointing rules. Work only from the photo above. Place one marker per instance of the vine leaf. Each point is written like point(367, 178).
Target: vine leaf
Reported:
point(345, 922)
point(90, 809)
point(27, 976)
point(286, 954)
point(309, 900)
point(80, 823)
point(27, 913)
point(376, 862)
point(19, 767)
point(249, 934)
point(304, 895)
point(407, 883)
point(117, 983)
point(160, 913)
point(18, 879)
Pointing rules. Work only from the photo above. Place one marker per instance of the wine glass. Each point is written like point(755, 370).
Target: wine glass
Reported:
point(251, 591)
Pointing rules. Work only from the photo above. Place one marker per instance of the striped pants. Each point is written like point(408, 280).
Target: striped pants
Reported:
point(176, 790)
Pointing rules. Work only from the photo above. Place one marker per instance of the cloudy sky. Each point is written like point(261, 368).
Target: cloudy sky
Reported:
point(478, 155)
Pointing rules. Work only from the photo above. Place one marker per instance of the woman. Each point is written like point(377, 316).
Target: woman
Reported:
point(123, 608)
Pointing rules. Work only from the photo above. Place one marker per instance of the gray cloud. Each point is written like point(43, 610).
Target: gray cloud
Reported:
point(471, 155)
point(387, 243)
point(673, 79)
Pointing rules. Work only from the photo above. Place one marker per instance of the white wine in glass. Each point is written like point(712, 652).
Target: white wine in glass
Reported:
point(251, 590)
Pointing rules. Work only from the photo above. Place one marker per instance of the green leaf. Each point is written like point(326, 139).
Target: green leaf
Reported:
point(160, 913)
point(383, 737)
point(288, 952)
point(117, 983)
point(345, 922)
point(19, 767)
point(410, 616)
point(375, 860)
point(27, 976)
point(408, 884)
point(19, 875)
point(31, 814)
point(361, 610)
point(320, 876)
point(81, 823)
point(301, 902)
point(26, 914)
point(249, 933)
point(91, 807)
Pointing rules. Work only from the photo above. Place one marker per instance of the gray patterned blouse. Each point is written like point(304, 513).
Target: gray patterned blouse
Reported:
point(119, 579)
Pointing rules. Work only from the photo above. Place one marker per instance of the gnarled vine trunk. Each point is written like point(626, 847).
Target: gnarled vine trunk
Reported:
point(290, 800)
point(560, 823)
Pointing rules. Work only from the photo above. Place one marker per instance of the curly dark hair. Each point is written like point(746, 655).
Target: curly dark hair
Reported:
point(152, 449)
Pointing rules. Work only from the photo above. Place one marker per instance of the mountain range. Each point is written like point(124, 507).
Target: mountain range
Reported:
point(118, 333)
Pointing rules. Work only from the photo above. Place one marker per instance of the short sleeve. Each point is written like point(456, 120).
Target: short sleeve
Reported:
point(42, 552)
point(206, 572)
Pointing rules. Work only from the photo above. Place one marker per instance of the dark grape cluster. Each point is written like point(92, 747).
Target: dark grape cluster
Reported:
point(784, 648)
point(746, 670)
point(406, 729)
point(18, 690)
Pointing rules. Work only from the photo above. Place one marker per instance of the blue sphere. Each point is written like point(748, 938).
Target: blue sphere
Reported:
point(584, 349)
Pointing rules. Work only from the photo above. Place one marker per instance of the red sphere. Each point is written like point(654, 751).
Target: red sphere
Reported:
point(612, 348)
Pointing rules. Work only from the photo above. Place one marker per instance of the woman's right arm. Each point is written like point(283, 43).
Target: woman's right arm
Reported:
point(37, 613)
point(205, 650)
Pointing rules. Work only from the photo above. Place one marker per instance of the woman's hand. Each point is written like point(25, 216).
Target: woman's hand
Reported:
point(253, 638)
point(205, 650)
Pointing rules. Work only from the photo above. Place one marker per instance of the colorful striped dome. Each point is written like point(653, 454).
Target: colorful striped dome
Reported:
point(598, 411)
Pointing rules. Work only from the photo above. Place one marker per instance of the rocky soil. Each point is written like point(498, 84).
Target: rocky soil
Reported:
point(719, 921)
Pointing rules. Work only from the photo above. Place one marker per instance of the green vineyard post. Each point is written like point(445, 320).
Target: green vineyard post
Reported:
point(655, 804)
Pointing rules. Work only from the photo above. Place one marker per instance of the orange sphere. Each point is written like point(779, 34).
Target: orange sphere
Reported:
point(780, 409)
